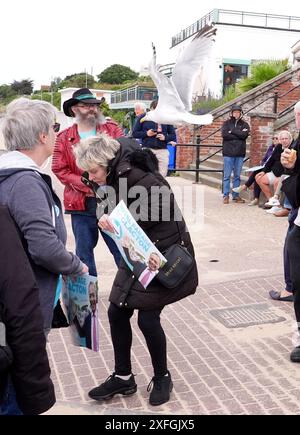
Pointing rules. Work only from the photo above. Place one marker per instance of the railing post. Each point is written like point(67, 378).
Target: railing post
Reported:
point(275, 102)
point(198, 141)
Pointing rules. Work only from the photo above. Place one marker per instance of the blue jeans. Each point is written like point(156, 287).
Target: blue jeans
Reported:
point(10, 405)
point(86, 232)
point(287, 204)
point(234, 164)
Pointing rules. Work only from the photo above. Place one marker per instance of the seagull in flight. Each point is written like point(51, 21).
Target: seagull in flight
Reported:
point(175, 93)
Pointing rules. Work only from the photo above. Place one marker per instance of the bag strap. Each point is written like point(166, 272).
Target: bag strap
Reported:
point(178, 229)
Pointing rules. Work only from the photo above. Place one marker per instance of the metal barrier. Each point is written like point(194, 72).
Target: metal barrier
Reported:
point(198, 169)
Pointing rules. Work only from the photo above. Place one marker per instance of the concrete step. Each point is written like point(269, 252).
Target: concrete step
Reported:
point(217, 175)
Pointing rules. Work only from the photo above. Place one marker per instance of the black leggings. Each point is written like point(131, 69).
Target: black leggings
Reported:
point(149, 324)
point(293, 248)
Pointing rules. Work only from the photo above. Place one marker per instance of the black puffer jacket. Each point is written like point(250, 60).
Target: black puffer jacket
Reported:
point(137, 167)
point(20, 306)
point(234, 135)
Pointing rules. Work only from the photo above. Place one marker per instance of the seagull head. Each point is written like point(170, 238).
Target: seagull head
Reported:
point(148, 117)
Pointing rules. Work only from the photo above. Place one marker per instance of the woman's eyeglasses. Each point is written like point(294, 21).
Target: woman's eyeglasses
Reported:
point(56, 127)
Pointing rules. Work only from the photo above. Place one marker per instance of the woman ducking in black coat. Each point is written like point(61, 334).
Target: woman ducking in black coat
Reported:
point(123, 167)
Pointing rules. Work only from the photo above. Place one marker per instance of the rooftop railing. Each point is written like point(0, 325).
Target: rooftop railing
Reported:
point(139, 93)
point(239, 18)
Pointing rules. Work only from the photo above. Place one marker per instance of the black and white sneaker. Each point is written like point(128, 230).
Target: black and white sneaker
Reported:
point(162, 387)
point(113, 385)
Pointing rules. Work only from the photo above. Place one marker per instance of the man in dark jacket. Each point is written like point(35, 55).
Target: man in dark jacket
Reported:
point(22, 316)
point(234, 132)
point(156, 137)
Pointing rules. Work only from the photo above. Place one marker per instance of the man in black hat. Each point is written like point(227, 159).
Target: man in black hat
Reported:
point(234, 132)
point(79, 200)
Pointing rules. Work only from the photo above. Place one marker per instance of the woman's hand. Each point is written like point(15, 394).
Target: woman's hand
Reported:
point(84, 269)
point(105, 224)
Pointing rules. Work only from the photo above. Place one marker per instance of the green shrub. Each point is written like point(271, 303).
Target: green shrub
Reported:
point(262, 72)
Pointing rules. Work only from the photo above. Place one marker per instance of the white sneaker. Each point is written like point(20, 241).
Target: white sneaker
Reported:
point(253, 202)
point(274, 209)
point(273, 201)
point(238, 189)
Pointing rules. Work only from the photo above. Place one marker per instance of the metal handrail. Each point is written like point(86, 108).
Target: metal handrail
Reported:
point(198, 145)
point(275, 96)
point(216, 16)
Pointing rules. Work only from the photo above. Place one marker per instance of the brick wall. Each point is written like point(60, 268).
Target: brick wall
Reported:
point(262, 128)
point(260, 104)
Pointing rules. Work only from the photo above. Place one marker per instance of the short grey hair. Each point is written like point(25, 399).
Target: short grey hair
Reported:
point(286, 132)
point(24, 121)
point(141, 105)
point(97, 150)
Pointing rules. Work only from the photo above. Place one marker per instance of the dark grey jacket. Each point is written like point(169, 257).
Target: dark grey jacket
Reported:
point(36, 209)
point(235, 133)
point(22, 316)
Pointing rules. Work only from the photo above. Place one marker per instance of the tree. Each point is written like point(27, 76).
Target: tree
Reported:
point(6, 92)
point(116, 74)
point(55, 84)
point(24, 87)
point(81, 80)
point(54, 98)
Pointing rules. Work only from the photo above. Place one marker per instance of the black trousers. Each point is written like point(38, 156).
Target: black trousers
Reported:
point(121, 333)
point(293, 248)
point(251, 180)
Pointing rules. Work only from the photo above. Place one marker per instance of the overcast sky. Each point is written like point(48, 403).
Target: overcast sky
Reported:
point(45, 39)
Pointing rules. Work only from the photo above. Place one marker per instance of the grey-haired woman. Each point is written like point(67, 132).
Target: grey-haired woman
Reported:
point(122, 165)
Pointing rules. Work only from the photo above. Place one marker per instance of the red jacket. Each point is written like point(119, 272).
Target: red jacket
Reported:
point(65, 168)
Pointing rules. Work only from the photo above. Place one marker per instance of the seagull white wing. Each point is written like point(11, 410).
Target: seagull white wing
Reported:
point(189, 62)
point(169, 99)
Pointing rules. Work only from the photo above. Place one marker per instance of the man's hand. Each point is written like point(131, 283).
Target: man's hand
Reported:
point(161, 136)
point(105, 224)
point(288, 158)
point(151, 133)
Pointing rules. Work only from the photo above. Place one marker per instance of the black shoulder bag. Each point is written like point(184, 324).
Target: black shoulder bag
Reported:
point(179, 264)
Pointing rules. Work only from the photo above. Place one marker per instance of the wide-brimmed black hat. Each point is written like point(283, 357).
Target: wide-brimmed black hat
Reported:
point(83, 95)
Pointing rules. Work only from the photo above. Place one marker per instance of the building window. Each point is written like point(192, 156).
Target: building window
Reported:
point(232, 73)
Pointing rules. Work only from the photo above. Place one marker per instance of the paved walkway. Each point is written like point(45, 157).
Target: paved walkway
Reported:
point(216, 369)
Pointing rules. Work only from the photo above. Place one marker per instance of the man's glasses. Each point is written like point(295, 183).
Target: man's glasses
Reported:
point(88, 106)
point(275, 138)
point(56, 127)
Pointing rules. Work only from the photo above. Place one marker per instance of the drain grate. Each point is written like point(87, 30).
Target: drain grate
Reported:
point(246, 315)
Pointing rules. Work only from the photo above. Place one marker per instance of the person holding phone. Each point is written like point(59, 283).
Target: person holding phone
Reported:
point(156, 137)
